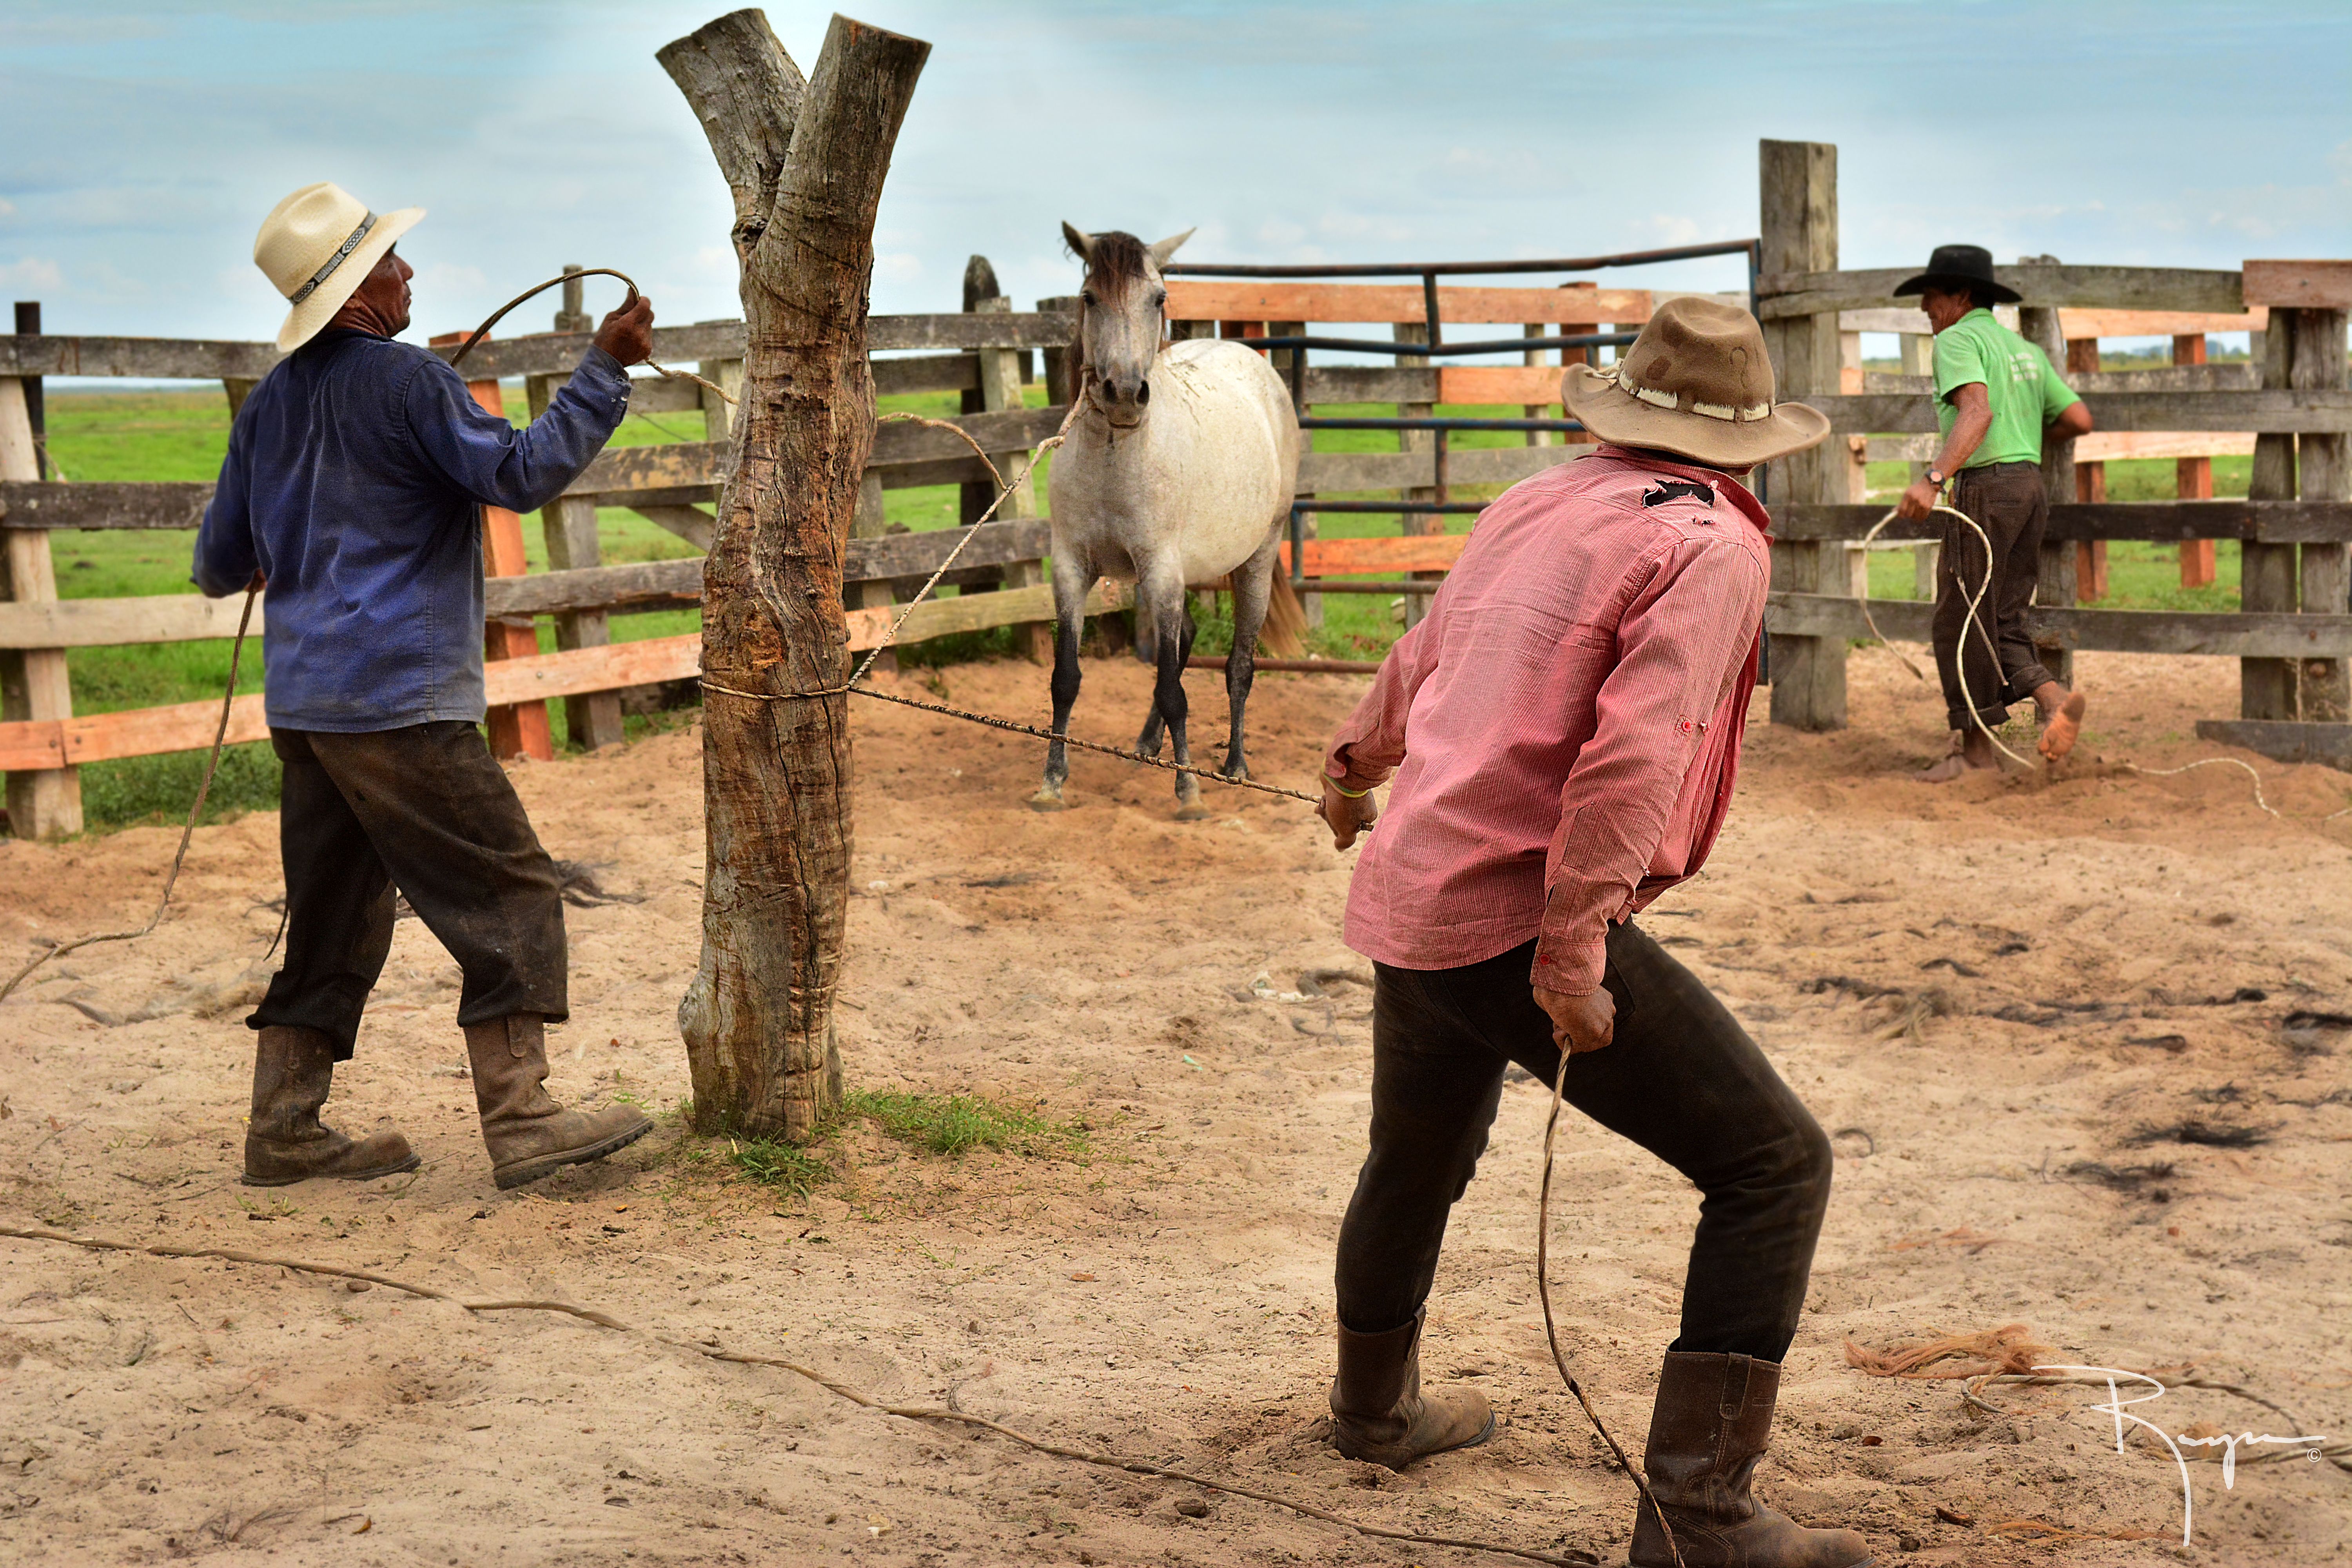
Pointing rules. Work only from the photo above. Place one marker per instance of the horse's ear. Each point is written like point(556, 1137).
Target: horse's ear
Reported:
point(1165, 248)
point(1081, 243)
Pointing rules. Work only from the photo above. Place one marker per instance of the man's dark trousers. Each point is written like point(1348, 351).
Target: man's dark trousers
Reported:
point(1681, 1078)
point(2003, 667)
point(426, 809)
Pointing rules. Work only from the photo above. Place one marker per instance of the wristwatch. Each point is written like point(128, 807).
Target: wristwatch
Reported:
point(1937, 478)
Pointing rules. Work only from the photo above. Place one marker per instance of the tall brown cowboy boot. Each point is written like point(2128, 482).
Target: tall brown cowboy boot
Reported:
point(285, 1142)
point(1713, 1422)
point(528, 1133)
point(1378, 1413)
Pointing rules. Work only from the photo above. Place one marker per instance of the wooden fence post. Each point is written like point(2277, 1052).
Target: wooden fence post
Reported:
point(2058, 584)
point(805, 158)
point(2323, 473)
point(569, 525)
point(33, 682)
point(1000, 389)
point(870, 520)
point(520, 729)
point(2090, 486)
point(1797, 189)
point(2267, 687)
point(1415, 605)
point(2192, 478)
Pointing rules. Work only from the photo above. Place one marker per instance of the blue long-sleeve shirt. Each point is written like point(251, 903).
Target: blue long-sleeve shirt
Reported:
point(354, 474)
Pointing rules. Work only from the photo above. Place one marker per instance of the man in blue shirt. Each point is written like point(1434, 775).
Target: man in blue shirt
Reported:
point(355, 475)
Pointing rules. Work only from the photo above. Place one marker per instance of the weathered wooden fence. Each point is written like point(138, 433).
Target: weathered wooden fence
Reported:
point(2293, 410)
point(985, 352)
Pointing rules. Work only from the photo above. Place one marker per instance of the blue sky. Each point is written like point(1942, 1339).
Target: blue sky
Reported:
point(145, 139)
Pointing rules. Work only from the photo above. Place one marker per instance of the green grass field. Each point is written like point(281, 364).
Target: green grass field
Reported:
point(173, 434)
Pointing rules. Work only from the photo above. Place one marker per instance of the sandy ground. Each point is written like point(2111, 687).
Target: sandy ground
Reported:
point(1993, 994)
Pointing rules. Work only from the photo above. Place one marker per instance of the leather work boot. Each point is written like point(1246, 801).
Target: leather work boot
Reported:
point(1379, 1413)
point(527, 1133)
point(1713, 1422)
point(285, 1142)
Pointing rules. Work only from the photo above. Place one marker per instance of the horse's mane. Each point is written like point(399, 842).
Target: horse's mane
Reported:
point(1116, 266)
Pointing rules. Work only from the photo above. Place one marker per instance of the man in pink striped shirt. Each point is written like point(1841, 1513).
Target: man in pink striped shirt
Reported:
point(1561, 735)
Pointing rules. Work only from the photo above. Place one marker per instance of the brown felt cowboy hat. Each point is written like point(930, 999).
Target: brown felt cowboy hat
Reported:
point(318, 245)
point(1960, 268)
point(1698, 383)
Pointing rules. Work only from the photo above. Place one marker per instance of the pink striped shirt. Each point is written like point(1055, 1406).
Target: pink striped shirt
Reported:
point(1564, 725)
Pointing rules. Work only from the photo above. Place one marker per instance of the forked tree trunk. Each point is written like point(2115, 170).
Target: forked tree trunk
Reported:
point(805, 162)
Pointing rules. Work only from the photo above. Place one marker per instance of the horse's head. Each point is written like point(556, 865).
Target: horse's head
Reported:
point(1122, 310)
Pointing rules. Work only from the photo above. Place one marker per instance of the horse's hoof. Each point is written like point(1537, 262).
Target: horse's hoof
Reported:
point(1234, 775)
point(1193, 811)
point(1048, 800)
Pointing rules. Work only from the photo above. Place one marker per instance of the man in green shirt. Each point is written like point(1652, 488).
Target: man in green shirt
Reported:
point(1997, 399)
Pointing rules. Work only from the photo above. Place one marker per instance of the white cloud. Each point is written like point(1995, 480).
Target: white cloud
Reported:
point(899, 267)
point(8, 208)
point(447, 277)
point(32, 272)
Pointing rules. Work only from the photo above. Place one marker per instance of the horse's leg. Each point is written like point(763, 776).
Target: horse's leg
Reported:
point(1072, 582)
point(1161, 596)
point(1252, 585)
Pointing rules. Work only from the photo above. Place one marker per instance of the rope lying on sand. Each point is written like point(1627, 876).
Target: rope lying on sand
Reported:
point(849, 1392)
point(196, 812)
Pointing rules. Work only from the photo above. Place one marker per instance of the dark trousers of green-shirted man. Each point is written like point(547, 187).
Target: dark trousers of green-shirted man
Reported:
point(1998, 399)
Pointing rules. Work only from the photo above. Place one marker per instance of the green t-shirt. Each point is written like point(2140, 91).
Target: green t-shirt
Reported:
point(2024, 389)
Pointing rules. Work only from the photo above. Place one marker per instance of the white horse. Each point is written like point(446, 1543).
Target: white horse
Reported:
point(1179, 469)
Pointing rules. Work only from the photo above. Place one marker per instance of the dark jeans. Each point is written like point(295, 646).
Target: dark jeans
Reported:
point(1681, 1078)
point(2008, 503)
point(427, 809)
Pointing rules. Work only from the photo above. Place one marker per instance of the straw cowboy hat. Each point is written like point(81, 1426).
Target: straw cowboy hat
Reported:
point(1698, 383)
point(318, 245)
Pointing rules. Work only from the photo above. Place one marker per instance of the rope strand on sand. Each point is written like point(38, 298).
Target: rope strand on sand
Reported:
point(196, 812)
point(849, 1392)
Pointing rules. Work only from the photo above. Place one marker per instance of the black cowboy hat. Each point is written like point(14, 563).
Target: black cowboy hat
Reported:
point(1970, 265)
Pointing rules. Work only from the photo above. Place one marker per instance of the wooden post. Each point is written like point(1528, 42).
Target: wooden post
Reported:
point(2323, 473)
point(980, 287)
point(1798, 184)
point(569, 525)
point(1415, 605)
point(804, 160)
point(33, 682)
point(519, 729)
point(2058, 583)
point(1309, 525)
point(871, 520)
point(1536, 356)
point(1000, 388)
point(2090, 486)
point(2267, 687)
point(2192, 478)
